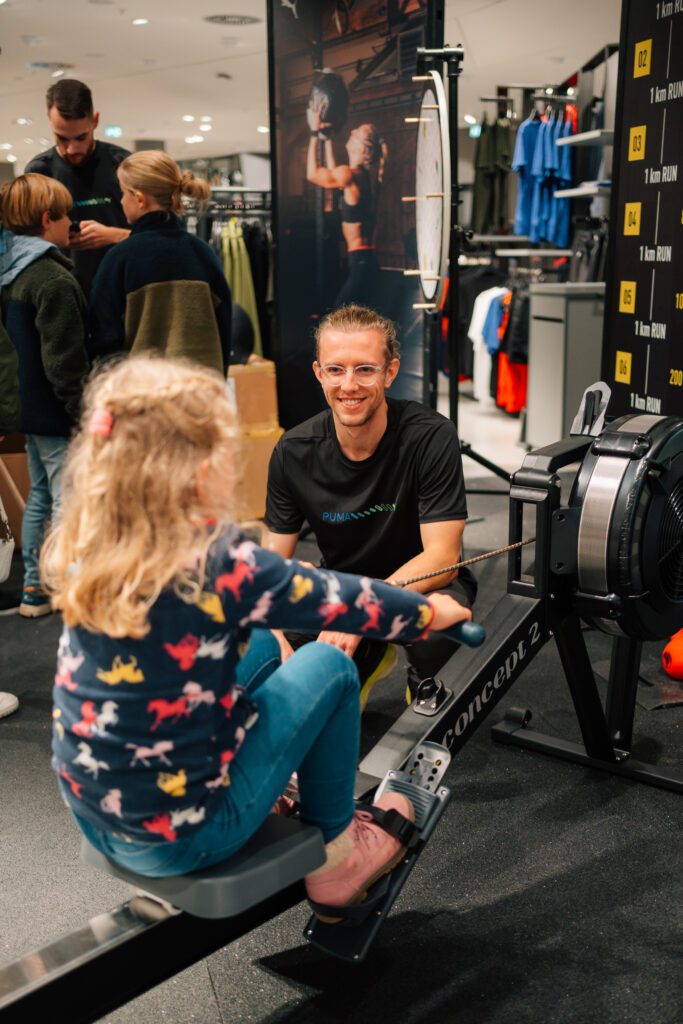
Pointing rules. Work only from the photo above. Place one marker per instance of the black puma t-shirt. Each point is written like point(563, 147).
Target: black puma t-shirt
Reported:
point(366, 515)
point(96, 195)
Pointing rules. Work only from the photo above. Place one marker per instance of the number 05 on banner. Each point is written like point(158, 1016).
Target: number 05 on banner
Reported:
point(627, 297)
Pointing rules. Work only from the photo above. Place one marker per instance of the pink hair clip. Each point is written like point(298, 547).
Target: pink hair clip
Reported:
point(101, 422)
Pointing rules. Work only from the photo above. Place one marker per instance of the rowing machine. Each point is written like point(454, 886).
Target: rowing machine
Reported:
point(612, 555)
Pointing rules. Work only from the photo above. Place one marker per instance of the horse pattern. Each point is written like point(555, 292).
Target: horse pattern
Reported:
point(145, 730)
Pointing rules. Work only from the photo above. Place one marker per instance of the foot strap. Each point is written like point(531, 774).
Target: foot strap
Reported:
point(353, 914)
point(393, 822)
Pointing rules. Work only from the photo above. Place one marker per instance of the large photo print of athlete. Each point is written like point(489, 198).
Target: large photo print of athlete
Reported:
point(374, 472)
point(344, 156)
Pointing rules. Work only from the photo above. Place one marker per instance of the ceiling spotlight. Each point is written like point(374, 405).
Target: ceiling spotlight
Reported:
point(5, 145)
point(206, 127)
point(549, 90)
point(192, 139)
point(206, 117)
point(570, 90)
point(263, 129)
point(470, 119)
point(23, 120)
point(188, 117)
point(11, 158)
point(140, 21)
point(58, 73)
point(44, 142)
point(29, 142)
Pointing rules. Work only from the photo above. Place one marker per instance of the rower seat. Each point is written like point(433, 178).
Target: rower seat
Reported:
point(280, 853)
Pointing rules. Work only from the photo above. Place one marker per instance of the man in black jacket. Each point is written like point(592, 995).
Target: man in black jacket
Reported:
point(87, 168)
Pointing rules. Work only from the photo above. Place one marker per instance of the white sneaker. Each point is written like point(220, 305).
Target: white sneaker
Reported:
point(8, 704)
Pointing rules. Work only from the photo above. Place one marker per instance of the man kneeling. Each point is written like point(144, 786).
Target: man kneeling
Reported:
point(379, 481)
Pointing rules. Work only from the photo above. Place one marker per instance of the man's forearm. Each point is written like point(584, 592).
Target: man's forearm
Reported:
point(427, 561)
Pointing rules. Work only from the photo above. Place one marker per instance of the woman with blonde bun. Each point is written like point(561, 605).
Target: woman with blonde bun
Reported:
point(162, 289)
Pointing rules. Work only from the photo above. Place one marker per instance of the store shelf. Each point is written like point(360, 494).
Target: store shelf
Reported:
point(597, 137)
point(583, 191)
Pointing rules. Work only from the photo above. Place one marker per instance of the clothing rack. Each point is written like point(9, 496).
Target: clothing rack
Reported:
point(513, 254)
point(554, 97)
point(233, 199)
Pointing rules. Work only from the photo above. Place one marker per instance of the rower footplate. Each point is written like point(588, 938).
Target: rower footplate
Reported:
point(420, 781)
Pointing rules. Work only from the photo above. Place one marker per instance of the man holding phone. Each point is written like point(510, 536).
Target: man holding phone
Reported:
point(88, 169)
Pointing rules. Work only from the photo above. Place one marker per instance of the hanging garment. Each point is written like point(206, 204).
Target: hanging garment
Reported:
point(565, 174)
point(238, 273)
point(482, 197)
point(491, 329)
point(472, 281)
point(525, 145)
point(512, 385)
point(536, 226)
point(502, 161)
point(258, 248)
point(515, 341)
point(482, 357)
point(492, 163)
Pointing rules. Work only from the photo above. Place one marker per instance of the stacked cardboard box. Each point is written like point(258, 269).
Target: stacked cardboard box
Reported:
point(255, 396)
point(14, 482)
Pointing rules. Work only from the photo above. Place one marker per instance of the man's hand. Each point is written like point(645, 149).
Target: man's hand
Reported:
point(94, 235)
point(344, 641)
point(286, 649)
point(447, 611)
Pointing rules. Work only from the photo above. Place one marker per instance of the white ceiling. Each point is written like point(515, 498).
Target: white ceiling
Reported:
point(145, 78)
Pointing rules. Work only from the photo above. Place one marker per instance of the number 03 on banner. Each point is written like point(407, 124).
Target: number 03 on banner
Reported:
point(636, 142)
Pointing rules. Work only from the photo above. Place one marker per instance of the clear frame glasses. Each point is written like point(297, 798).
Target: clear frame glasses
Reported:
point(366, 374)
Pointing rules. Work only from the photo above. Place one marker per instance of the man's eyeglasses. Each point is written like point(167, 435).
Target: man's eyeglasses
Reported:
point(335, 375)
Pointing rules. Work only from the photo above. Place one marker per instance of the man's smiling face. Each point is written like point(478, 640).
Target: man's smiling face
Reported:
point(353, 403)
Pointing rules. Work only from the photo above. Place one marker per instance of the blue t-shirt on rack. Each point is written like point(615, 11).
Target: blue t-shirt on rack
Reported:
point(566, 178)
point(493, 320)
point(525, 145)
point(538, 176)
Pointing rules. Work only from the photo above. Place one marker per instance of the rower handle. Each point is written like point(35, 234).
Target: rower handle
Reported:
point(470, 633)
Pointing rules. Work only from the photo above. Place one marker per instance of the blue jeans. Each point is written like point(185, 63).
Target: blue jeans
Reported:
point(309, 722)
point(46, 457)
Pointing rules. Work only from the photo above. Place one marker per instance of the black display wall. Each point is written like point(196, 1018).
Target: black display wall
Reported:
point(371, 46)
point(643, 340)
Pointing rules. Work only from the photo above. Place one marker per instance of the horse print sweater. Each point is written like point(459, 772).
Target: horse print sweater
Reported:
point(144, 730)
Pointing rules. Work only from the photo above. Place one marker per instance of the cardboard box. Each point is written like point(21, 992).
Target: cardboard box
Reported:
point(14, 488)
point(256, 446)
point(254, 393)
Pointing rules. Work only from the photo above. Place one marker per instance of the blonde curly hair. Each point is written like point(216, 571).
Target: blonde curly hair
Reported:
point(135, 516)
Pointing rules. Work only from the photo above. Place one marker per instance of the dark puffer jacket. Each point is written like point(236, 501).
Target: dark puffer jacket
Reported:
point(43, 312)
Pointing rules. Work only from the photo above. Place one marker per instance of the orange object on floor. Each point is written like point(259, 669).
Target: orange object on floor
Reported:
point(672, 656)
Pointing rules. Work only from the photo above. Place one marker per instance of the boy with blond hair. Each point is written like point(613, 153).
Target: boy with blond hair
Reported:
point(43, 312)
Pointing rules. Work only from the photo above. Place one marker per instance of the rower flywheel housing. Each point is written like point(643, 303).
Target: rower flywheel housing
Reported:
point(629, 497)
